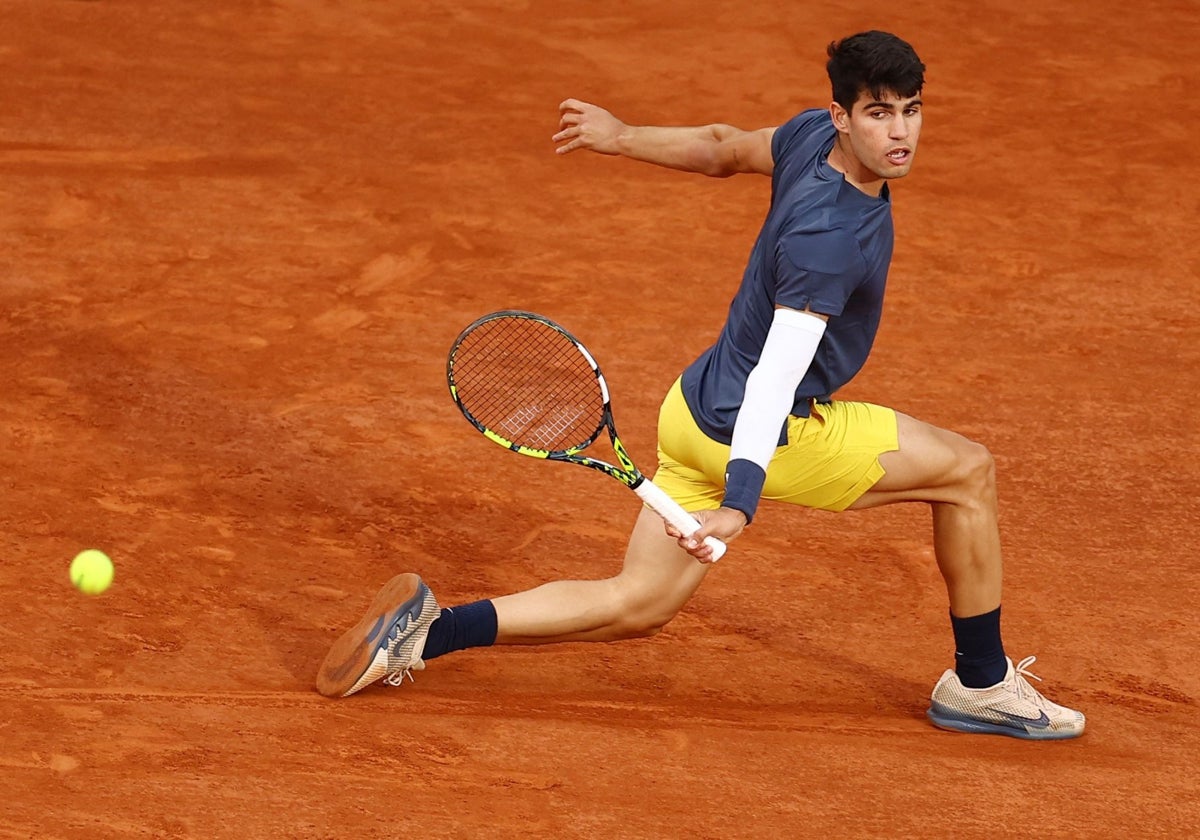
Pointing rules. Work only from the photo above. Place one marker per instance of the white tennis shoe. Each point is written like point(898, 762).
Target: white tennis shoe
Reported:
point(386, 644)
point(1012, 707)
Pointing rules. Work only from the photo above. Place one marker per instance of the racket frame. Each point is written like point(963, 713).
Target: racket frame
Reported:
point(625, 471)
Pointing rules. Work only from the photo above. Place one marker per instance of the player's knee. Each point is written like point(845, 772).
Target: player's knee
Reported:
point(976, 470)
point(641, 624)
point(642, 620)
point(637, 629)
point(639, 607)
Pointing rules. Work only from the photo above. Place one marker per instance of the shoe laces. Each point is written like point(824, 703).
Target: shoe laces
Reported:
point(1024, 688)
point(1023, 665)
point(397, 678)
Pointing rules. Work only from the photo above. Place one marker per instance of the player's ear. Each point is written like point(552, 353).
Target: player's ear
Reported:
point(840, 117)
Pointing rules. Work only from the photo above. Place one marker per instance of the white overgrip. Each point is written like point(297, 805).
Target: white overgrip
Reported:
point(669, 509)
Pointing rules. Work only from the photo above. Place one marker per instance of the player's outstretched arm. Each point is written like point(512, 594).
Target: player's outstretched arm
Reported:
point(716, 150)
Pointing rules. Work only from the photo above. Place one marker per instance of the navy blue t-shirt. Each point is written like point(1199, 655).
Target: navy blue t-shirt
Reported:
point(825, 246)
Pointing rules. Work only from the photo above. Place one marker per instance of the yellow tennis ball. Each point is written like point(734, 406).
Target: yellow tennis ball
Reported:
point(91, 571)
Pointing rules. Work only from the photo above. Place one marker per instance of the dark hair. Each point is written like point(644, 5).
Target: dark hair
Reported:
point(873, 61)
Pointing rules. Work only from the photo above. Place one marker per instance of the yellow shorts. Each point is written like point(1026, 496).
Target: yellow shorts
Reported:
point(830, 459)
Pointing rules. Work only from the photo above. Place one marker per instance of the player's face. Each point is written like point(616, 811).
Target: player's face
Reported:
point(882, 134)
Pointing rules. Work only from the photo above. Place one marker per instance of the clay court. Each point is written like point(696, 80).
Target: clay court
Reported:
point(236, 243)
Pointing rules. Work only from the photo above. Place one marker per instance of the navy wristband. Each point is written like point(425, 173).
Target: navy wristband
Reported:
point(743, 486)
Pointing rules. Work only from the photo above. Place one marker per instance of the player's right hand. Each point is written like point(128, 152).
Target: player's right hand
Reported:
point(585, 126)
point(725, 524)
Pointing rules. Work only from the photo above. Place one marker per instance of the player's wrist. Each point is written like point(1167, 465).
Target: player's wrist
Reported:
point(625, 140)
point(744, 481)
point(740, 513)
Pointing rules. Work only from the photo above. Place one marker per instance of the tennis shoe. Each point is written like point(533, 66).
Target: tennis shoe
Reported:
point(1012, 707)
point(387, 642)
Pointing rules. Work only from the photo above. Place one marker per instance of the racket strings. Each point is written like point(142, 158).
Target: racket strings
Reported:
point(530, 384)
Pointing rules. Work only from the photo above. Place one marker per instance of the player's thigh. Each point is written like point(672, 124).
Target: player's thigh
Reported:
point(931, 464)
point(658, 576)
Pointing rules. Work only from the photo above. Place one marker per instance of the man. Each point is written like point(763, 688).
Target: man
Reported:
point(754, 416)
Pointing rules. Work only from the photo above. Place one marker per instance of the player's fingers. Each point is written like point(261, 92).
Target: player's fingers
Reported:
point(570, 105)
point(697, 548)
point(713, 524)
point(694, 541)
point(693, 546)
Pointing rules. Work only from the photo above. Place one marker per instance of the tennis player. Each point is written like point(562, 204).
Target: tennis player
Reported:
point(755, 416)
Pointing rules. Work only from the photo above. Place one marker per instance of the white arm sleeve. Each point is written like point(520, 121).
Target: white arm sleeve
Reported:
point(786, 356)
point(771, 387)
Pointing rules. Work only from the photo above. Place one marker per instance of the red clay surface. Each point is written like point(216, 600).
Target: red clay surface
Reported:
point(236, 242)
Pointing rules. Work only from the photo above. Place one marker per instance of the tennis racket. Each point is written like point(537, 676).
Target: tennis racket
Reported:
point(532, 387)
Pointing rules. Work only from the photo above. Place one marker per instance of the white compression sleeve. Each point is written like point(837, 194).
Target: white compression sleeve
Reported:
point(786, 356)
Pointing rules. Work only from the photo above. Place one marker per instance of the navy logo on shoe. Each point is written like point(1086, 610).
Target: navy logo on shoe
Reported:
point(1039, 722)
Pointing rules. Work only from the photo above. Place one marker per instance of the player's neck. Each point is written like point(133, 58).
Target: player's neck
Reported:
point(858, 176)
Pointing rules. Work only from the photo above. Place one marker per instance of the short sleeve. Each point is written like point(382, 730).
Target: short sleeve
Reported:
point(818, 270)
point(793, 132)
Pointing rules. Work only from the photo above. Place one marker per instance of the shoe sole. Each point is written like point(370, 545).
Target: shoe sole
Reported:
point(361, 650)
point(973, 726)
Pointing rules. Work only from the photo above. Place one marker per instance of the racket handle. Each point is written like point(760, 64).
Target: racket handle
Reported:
point(669, 509)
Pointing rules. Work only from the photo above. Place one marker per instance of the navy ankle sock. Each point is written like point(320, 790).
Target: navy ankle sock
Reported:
point(472, 625)
point(978, 652)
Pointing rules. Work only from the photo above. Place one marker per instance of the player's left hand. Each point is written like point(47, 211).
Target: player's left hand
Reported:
point(586, 126)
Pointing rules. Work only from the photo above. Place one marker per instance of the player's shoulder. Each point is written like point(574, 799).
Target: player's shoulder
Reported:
point(808, 125)
point(810, 118)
